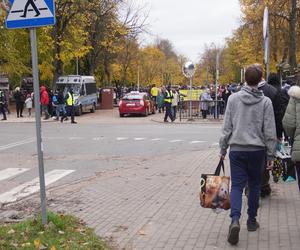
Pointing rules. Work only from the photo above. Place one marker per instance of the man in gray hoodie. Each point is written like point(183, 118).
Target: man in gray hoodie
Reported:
point(249, 131)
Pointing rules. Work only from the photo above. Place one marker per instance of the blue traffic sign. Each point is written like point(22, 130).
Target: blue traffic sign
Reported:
point(30, 13)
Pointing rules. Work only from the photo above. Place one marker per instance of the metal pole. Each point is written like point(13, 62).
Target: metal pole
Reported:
point(217, 79)
point(35, 74)
point(191, 86)
point(268, 53)
point(77, 66)
point(138, 78)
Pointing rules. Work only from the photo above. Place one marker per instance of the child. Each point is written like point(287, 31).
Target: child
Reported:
point(28, 103)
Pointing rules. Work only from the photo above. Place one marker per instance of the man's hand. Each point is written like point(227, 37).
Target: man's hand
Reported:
point(222, 157)
point(270, 164)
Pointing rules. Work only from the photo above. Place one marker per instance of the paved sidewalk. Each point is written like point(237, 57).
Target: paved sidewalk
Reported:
point(155, 205)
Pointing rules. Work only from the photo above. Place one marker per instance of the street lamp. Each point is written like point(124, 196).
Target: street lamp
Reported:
point(188, 71)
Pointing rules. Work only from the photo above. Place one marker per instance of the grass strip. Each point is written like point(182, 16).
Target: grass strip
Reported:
point(61, 232)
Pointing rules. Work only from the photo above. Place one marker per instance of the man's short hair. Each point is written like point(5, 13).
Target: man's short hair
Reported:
point(253, 74)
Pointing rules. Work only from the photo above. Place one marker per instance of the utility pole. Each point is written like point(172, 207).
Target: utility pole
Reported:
point(216, 85)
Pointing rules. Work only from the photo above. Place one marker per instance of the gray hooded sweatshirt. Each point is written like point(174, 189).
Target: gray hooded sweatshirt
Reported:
point(249, 123)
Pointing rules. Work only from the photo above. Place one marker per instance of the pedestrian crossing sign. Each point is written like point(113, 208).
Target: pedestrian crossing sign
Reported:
point(30, 13)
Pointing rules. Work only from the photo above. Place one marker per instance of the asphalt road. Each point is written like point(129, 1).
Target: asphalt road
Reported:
point(90, 148)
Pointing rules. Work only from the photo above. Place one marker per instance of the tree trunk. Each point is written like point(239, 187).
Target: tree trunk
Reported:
point(292, 34)
point(57, 62)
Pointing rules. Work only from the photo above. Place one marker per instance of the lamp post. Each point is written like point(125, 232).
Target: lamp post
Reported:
point(188, 71)
point(216, 85)
point(266, 32)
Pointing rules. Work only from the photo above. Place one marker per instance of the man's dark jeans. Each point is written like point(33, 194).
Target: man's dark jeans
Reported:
point(168, 111)
point(71, 112)
point(245, 167)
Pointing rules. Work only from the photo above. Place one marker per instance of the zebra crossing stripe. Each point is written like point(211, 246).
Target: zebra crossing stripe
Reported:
point(15, 144)
point(156, 139)
point(33, 186)
point(173, 141)
point(10, 172)
point(195, 142)
point(139, 139)
point(121, 138)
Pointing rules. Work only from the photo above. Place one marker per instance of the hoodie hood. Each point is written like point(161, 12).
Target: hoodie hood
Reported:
point(250, 96)
point(262, 83)
point(294, 92)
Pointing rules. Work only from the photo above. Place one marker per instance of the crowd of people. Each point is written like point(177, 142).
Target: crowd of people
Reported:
point(58, 104)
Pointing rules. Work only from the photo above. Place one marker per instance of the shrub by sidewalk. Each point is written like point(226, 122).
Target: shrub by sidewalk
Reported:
point(62, 232)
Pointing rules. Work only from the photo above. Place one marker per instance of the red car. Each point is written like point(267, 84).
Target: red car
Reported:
point(136, 103)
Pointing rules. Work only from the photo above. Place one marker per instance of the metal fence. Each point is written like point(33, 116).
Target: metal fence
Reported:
point(201, 110)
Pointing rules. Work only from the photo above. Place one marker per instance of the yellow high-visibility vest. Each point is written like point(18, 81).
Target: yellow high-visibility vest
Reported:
point(70, 100)
point(169, 96)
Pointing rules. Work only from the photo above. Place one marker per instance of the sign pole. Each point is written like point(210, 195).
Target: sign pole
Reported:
point(188, 71)
point(216, 85)
point(266, 34)
point(191, 98)
point(35, 74)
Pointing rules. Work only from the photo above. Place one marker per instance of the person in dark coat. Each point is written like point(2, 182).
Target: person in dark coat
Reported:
point(2, 105)
point(20, 100)
point(275, 97)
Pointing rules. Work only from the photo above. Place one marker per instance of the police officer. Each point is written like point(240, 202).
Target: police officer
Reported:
point(70, 105)
point(2, 105)
point(168, 103)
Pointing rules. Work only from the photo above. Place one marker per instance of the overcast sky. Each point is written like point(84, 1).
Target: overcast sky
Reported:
point(189, 24)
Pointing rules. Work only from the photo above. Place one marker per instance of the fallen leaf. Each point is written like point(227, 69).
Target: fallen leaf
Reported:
point(14, 245)
point(142, 232)
point(11, 231)
point(42, 247)
point(37, 243)
point(27, 244)
point(53, 248)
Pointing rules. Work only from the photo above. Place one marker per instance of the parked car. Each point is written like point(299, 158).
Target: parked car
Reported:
point(136, 103)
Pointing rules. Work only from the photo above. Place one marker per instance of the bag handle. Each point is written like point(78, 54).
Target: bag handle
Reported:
point(218, 169)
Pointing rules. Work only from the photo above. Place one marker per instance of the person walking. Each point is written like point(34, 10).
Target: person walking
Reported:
point(160, 100)
point(54, 105)
point(154, 93)
point(249, 131)
point(45, 102)
point(70, 105)
point(175, 102)
point(275, 96)
point(168, 97)
point(61, 106)
point(205, 99)
point(3, 105)
point(28, 104)
point(19, 99)
point(291, 124)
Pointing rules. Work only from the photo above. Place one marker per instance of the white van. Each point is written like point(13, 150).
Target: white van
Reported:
point(84, 89)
